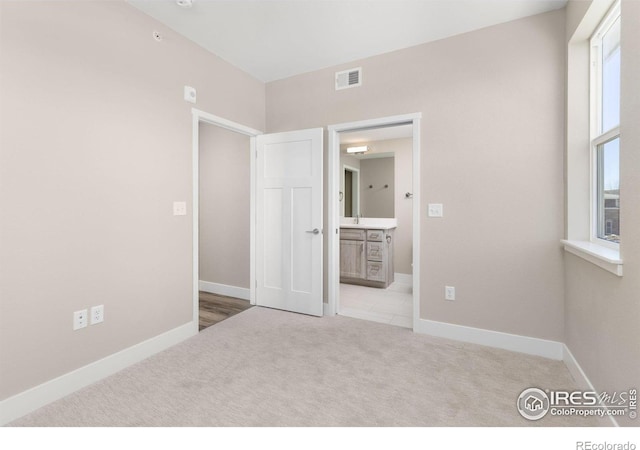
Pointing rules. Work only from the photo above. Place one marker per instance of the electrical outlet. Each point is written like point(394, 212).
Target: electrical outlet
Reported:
point(449, 293)
point(97, 314)
point(179, 208)
point(79, 319)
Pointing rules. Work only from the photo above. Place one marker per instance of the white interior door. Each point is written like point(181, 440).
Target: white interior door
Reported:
point(289, 221)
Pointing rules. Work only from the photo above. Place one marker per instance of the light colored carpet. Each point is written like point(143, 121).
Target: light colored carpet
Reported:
point(264, 367)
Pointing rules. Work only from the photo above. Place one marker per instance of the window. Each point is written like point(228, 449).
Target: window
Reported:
point(593, 139)
point(605, 129)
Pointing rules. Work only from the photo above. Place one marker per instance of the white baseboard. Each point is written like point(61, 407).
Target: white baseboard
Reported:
point(506, 341)
point(225, 289)
point(404, 278)
point(25, 402)
point(579, 376)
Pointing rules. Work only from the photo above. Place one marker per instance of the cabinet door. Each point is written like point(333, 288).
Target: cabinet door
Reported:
point(352, 259)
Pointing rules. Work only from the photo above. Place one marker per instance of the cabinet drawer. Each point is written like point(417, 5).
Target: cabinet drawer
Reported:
point(376, 271)
point(375, 251)
point(375, 235)
point(352, 234)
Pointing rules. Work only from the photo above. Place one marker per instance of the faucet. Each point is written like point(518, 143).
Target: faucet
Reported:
point(357, 219)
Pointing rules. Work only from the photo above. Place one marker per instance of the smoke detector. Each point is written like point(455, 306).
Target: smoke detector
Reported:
point(184, 3)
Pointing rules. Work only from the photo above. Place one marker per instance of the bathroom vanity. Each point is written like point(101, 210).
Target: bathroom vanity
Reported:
point(366, 252)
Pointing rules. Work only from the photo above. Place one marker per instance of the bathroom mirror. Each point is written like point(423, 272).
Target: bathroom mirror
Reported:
point(368, 184)
point(374, 164)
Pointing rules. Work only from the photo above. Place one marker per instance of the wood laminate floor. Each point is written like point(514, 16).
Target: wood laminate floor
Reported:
point(215, 308)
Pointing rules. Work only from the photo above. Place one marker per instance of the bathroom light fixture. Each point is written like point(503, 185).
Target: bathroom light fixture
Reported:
point(184, 3)
point(361, 149)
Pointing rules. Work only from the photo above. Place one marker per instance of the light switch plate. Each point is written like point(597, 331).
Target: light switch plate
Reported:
point(179, 208)
point(190, 94)
point(435, 210)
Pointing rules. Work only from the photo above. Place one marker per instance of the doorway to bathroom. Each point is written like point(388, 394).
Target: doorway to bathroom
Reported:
point(374, 253)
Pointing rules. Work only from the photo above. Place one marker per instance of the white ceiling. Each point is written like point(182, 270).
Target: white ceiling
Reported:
point(274, 39)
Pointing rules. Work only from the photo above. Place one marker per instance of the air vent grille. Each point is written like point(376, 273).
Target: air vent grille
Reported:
point(349, 78)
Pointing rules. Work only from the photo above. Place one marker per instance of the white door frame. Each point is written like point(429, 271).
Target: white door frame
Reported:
point(198, 117)
point(333, 189)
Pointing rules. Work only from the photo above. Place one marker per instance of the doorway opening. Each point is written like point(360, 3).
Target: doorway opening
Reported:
point(374, 219)
point(224, 272)
point(223, 231)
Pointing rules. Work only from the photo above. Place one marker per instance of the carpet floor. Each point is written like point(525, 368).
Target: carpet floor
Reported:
point(264, 367)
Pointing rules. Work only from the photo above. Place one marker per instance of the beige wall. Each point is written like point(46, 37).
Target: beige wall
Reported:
point(95, 146)
point(575, 11)
point(603, 310)
point(492, 139)
point(225, 179)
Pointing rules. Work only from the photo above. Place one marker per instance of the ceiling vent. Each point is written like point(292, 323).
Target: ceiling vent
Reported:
point(349, 78)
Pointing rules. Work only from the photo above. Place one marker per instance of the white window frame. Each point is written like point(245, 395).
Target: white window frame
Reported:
point(597, 135)
point(579, 168)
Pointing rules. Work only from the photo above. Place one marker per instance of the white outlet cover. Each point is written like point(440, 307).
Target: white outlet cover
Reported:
point(435, 210)
point(190, 94)
point(179, 208)
point(80, 319)
point(97, 314)
point(449, 293)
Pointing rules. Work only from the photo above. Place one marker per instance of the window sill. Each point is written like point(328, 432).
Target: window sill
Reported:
point(604, 257)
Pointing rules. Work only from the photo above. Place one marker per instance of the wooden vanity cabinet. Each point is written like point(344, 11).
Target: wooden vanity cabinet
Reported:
point(366, 256)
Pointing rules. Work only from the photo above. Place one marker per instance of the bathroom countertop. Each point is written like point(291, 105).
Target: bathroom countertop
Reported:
point(369, 223)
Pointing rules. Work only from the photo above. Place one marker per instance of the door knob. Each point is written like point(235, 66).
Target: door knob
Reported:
point(314, 231)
